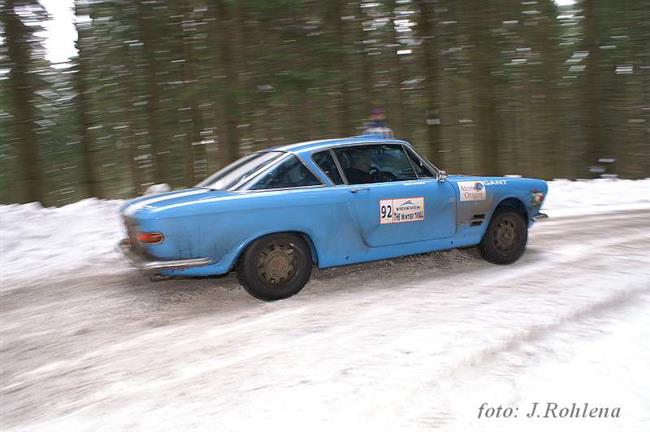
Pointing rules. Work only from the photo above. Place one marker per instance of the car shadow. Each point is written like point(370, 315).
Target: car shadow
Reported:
point(181, 298)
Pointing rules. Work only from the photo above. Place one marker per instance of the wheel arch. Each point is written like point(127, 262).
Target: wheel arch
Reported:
point(513, 203)
point(305, 236)
point(488, 251)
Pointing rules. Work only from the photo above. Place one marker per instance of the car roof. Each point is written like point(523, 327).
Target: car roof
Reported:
point(310, 146)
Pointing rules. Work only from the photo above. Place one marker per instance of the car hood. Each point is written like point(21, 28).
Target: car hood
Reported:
point(153, 203)
point(492, 180)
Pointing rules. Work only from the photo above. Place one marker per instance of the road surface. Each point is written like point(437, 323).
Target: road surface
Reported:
point(418, 343)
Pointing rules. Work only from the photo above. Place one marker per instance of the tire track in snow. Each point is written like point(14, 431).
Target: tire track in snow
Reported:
point(325, 327)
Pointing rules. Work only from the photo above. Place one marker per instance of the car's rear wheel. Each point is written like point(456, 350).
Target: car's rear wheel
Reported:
point(275, 267)
point(505, 239)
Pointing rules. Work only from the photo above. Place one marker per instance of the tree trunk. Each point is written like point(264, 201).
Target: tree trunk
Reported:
point(367, 99)
point(18, 39)
point(229, 101)
point(148, 36)
point(594, 147)
point(340, 61)
point(429, 60)
point(195, 154)
point(552, 106)
point(482, 59)
point(130, 118)
point(397, 108)
point(89, 175)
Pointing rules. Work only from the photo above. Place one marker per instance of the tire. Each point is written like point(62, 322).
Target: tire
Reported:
point(275, 267)
point(504, 241)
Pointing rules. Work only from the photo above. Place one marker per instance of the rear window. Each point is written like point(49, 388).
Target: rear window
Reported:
point(238, 172)
point(290, 173)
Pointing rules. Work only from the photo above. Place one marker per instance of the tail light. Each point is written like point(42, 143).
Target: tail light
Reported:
point(150, 237)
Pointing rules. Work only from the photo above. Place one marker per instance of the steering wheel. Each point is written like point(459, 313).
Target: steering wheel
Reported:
point(387, 176)
point(381, 176)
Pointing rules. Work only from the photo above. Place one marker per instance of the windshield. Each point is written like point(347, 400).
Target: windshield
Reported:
point(239, 171)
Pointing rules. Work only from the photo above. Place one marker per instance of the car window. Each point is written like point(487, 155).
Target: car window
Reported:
point(325, 162)
point(289, 174)
point(239, 171)
point(420, 168)
point(375, 163)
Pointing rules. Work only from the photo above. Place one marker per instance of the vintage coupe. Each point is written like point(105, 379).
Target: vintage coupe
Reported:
point(273, 214)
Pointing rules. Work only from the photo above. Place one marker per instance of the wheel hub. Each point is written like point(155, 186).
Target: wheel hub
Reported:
point(505, 236)
point(277, 264)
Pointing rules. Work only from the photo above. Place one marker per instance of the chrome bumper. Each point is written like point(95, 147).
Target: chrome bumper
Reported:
point(540, 216)
point(138, 261)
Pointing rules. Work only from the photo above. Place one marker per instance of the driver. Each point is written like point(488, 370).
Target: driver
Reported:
point(359, 171)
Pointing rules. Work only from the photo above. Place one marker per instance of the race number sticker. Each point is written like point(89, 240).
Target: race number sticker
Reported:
point(401, 210)
point(472, 191)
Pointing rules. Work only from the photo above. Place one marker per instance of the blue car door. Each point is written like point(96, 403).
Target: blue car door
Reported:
point(393, 205)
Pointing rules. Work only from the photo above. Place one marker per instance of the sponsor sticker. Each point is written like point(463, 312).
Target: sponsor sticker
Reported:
point(401, 210)
point(495, 183)
point(472, 191)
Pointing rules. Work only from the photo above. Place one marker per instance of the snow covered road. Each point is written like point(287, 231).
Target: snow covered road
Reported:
point(412, 344)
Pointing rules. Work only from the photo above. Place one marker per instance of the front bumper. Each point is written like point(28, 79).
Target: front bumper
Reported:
point(150, 266)
point(540, 216)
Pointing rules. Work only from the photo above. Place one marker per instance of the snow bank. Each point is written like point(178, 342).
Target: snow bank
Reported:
point(572, 198)
point(37, 242)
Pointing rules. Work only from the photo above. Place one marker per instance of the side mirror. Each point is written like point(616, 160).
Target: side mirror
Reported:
point(442, 176)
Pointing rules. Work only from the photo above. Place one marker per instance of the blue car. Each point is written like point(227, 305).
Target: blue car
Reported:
point(272, 215)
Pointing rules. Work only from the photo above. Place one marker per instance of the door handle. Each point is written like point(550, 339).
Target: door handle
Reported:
point(357, 190)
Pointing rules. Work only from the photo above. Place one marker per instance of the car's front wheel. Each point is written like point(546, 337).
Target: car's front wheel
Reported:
point(505, 239)
point(275, 267)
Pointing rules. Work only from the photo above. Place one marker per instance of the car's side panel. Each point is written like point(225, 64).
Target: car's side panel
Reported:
point(222, 229)
point(322, 214)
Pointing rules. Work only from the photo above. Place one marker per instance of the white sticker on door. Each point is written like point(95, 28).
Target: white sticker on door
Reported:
point(401, 210)
point(472, 191)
